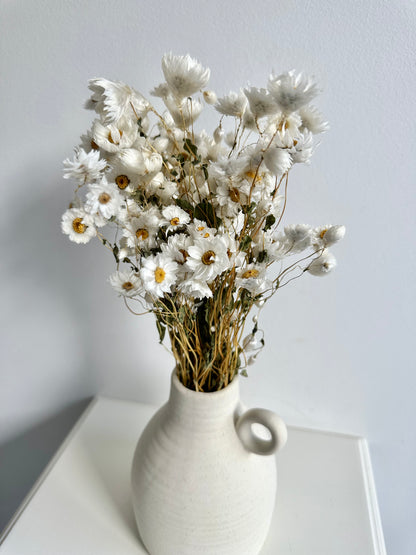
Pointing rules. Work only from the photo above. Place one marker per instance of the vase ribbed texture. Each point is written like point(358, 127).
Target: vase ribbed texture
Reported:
point(196, 489)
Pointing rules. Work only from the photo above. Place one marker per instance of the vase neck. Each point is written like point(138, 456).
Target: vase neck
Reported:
point(196, 409)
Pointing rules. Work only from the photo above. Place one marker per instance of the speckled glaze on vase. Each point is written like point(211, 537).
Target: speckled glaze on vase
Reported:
point(202, 482)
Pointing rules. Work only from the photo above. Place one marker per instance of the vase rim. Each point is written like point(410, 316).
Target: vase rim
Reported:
point(212, 394)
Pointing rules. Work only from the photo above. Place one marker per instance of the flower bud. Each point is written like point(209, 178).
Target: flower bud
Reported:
point(210, 97)
point(322, 265)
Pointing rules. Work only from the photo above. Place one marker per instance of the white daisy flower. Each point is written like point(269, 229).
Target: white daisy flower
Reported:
point(103, 198)
point(233, 104)
point(328, 235)
point(142, 231)
point(292, 91)
point(322, 265)
point(184, 75)
point(158, 274)
point(195, 289)
point(114, 100)
point(84, 167)
point(114, 137)
point(174, 217)
point(253, 278)
point(207, 259)
point(165, 190)
point(122, 177)
point(126, 283)
point(261, 102)
point(78, 225)
point(177, 247)
point(277, 160)
point(313, 120)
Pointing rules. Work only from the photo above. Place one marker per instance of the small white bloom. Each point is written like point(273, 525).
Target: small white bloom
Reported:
point(233, 104)
point(207, 259)
point(298, 237)
point(185, 112)
point(261, 102)
point(78, 225)
point(177, 247)
point(210, 97)
point(198, 229)
point(328, 235)
point(184, 75)
point(286, 126)
point(141, 162)
point(292, 91)
point(302, 148)
point(174, 217)
point(253, 278)
point(142, 231)
point(85, 167)
point(126, 283)
point(158, 274)
point(113, 138)
point(313, 120)
point(103, 198)
point(277, 160)
point(322, 265)
point(195, 289)
point(114, 100)
point(161, 91)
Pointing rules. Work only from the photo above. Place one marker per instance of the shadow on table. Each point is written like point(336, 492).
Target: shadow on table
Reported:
point(23, 458)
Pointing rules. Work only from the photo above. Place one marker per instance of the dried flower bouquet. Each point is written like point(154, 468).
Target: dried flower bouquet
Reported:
point(197, 219)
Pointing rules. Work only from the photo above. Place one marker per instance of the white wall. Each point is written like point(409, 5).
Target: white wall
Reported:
point(339, 351)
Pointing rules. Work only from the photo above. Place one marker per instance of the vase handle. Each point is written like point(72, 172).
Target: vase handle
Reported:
point(269, 420)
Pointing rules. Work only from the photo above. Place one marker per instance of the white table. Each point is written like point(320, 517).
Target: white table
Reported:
point(326, 501)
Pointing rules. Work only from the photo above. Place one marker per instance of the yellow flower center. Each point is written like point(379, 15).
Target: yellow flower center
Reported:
point(200, 228)
point(104, 198)
point(78, 226)
point(321, 235)
point(94, 145)
point(127, 286)
point(160, 275)
point(206, 235)
point(234, 194)
point(208, 258)
point(252, 174)
point(122, 181)
point(253, 273)
point(142, 234)
point(174, 221)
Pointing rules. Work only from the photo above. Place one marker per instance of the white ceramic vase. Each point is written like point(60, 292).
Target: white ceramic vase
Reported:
point(203, 482)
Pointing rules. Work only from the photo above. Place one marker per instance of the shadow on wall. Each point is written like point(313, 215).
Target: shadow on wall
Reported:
point(24, 457)
point(46, 330)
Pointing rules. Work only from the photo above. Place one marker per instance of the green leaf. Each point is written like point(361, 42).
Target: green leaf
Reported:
point(161, 329)
point(270, 221)
point(185, 205)
point(205, 170)
point(190, 147)
point(262, 256)
point(245, 242)
point(115, 252)
point(205, 211)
